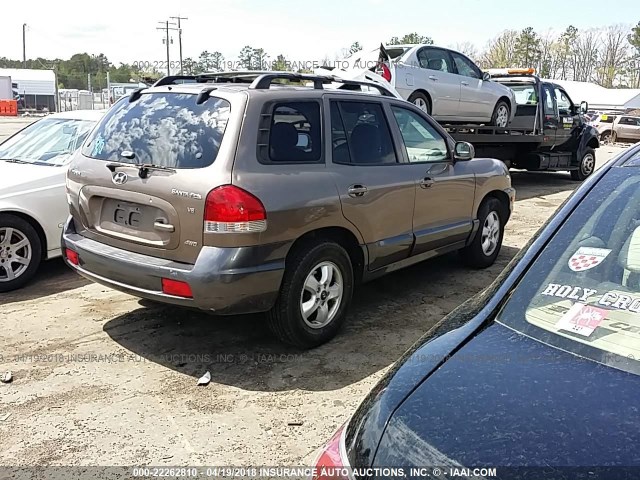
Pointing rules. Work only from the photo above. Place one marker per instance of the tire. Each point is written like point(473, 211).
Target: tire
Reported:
point(587, 165)
point(481, 254)
point(286, 319)
point(501, 114)
point(606, 137)
point(421, 101)
point(25, 243)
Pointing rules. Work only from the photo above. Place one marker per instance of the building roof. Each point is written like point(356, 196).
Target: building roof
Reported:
point(601, 97)
point(21, 74)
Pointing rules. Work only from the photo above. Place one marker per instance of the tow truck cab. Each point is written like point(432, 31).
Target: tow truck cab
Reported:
point(549, 131)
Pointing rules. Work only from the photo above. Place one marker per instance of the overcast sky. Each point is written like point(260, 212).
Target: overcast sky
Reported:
point(125, 30)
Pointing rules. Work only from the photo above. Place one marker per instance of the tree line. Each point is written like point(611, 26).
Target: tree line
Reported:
point(609, 56)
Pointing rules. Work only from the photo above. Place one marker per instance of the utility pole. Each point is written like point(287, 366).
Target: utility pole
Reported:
point(178, 18)
point(24, 45)
point(167, 40)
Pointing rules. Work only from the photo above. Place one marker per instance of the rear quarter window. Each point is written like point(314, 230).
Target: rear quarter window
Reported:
point(166, 129)
point(294, 133)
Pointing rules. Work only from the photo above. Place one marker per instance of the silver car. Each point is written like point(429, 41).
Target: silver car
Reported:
point(442, 82)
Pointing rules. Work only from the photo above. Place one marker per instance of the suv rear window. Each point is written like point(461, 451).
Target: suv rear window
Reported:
point(166, 129)
point(294, 133)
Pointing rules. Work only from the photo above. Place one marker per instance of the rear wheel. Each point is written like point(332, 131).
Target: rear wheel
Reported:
point(484, 249)
point(587, 165)
point(20, 252)
point(501, 114)
point(421, 101)
point(314, 297)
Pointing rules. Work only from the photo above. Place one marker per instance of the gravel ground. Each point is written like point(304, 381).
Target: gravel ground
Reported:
point(100, 379)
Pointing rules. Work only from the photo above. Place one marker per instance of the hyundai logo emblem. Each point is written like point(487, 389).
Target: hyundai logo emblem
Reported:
point(119, 178)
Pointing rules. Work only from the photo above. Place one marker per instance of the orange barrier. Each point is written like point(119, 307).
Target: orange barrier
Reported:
point(8, 108)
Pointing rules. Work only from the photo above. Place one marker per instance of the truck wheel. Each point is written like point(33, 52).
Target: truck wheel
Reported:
point(587, 165)
point(20, 252)
point(501, 114)
point(421, 101)
point(484, 249)
point(314, 296)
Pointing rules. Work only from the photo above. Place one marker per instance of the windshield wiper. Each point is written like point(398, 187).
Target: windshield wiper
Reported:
point(143, 168)
point(13, 160)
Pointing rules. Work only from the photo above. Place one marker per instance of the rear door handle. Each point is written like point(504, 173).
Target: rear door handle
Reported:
point(426, 182)
point(466, 84)
point(165, 227)
point(433, 77)
point(357, 190)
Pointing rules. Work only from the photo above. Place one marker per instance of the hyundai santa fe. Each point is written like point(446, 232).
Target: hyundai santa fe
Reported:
point(233, 194)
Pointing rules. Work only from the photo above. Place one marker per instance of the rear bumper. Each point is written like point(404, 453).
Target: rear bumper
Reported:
point(223, 280)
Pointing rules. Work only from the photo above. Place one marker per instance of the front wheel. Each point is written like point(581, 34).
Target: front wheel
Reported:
point(606, 137)
point(586, 167)
point(485, 247)
point(314, 296)
point(501, 114)
point(20, 252)
point(421, 101)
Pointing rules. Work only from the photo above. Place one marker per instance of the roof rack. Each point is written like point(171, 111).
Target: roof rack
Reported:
point(262, 80)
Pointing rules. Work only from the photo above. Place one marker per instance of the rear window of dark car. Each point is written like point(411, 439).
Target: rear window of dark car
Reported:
point(167, 129)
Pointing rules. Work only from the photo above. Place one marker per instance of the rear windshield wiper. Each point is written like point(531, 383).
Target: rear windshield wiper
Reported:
point(143, 168)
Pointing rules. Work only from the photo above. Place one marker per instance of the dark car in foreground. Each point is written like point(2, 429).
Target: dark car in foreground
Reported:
point(537, 376)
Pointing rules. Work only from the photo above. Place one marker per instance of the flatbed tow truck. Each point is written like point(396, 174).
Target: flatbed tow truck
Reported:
point(548, 132)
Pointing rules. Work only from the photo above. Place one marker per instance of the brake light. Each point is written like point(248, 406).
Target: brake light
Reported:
point(72, 257)
point(176, 288)
point(384, 71)
point(332, 462)
point(230, 209)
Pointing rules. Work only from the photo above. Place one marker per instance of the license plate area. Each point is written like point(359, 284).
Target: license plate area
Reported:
point(134, 222)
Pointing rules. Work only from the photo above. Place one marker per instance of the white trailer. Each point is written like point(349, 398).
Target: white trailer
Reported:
point(35, 89)
point(6, 93)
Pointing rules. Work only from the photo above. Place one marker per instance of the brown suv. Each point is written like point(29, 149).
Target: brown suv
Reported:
point(237, 194)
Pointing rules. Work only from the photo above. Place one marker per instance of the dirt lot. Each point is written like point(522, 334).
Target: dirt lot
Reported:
point(102, 380)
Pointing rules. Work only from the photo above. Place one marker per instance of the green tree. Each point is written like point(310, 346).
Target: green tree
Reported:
point(246, 57)
point(210, 62)
point(634, 64)
point(410, 39)
point(260, 60)
point(527, 48)
point(281, 64)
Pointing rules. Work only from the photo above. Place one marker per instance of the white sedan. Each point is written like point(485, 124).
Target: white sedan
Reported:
point(33, 203)
point(442, 82)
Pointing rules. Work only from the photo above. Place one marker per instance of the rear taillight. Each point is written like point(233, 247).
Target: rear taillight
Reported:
point(72, 257)
point(230, 209)
point(332, 462)
point(384, 71)
point(176, 288)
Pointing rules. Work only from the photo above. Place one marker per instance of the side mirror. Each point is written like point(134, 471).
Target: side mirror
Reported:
point(486, 76)
point(584, 107)
point(463, 151)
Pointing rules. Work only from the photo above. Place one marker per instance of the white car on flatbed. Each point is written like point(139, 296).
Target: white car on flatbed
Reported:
point(33, 204)
point(442, 82)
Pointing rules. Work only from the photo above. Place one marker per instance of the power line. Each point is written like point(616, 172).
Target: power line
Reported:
point(166, 40)
point(178, 18)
